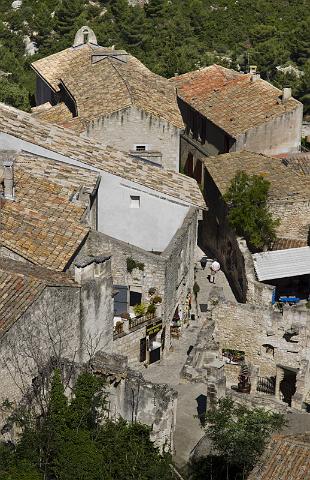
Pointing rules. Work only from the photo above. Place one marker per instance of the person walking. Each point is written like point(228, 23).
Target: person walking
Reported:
point(214, 268)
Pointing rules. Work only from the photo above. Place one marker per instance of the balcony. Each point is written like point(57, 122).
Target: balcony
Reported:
point(125, 326)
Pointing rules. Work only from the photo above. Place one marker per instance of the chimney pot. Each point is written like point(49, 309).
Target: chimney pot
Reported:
point(286, 94)
point(8, 177)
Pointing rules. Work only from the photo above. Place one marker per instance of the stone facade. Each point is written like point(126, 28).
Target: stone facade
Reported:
point(170, 273)
point(272, 341)
point(279, 135)
point(131, 128)
point(72, 321)
point(294, 215)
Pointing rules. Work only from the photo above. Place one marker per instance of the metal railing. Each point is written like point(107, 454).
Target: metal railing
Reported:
point(266, 385)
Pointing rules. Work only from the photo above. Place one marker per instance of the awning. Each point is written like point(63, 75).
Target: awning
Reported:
point(282, 263)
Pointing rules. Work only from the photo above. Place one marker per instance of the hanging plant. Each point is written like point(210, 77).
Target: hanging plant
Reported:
point(132, 264)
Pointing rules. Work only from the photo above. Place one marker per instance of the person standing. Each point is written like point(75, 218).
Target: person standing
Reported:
point(214, 268)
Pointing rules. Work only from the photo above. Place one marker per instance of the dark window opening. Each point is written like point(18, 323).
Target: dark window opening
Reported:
point(85, 37)
point(135, 298)
point(140, 148)
point(188, 169)
point(288, 386)
point(198, 171)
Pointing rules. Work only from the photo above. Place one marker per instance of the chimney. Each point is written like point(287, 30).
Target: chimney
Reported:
point(286, 94)
point(8, 175)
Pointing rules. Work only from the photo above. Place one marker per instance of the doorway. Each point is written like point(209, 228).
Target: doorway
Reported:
point(288, 385)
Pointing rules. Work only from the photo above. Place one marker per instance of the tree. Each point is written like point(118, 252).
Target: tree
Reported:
point(238, 434)
point(248, 211)
point(75, 441)
point(14, 94)
point(66, 16)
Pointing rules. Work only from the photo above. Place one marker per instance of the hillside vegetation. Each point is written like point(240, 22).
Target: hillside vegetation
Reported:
point(169, 36)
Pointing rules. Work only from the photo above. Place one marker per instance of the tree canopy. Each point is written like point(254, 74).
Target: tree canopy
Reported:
point(238, 436)
point(170, 37)
point(248, 210)
point(76, 441)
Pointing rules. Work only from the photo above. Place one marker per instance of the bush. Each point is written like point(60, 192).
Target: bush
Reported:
point(157, 299)
point(248, 211)
point(139, 310)
point(132, 264)
point(151, 309)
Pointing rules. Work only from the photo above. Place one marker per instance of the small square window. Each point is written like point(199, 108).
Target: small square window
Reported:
point(134, 201)
point(140, 148)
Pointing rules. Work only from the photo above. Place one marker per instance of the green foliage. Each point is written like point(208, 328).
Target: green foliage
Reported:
point(132, 264)
point(139, 309)
point(248, 212)
point(168, 36)
point(151, 309)
point(74, 442)
point(157, 299)
point(238, 434)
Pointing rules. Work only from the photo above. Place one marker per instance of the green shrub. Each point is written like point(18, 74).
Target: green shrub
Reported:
point(132, 264)
point(139, 309)
point(157, 299)
point(151, 309)
point(248, 213)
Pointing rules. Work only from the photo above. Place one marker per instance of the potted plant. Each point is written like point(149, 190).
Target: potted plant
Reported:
point(157, 299)
point(139, 309)
point(151, 310)
point(152, 291)
point(119, 327)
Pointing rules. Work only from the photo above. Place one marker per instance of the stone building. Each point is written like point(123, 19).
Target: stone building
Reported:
point(140, 207)
point(137, 202)
point(273, 343)
point(47, 315)
point(167, 276)
point(288, 201)
point(110, 96)
point(227, 111)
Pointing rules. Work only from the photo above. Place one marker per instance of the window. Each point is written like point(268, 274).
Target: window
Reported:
point(140, 148)
point(85, 37)
point(135, 298)
point(134, 201)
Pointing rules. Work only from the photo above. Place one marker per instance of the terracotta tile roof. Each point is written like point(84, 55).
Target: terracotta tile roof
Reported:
point(42, 224)
point(286, 458)
point(20, 285)
point(57, 139)
point(117, 81)
point(285, 243)
point(285, 182)
point(230, 99)
point(299, 161)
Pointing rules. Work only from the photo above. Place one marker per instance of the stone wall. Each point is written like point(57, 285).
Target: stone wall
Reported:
point(49, 328)
point(279, 135)
point(72, 322)
point(258, 293)
point(294, 215)
point(251, 328)
point(131, 126)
